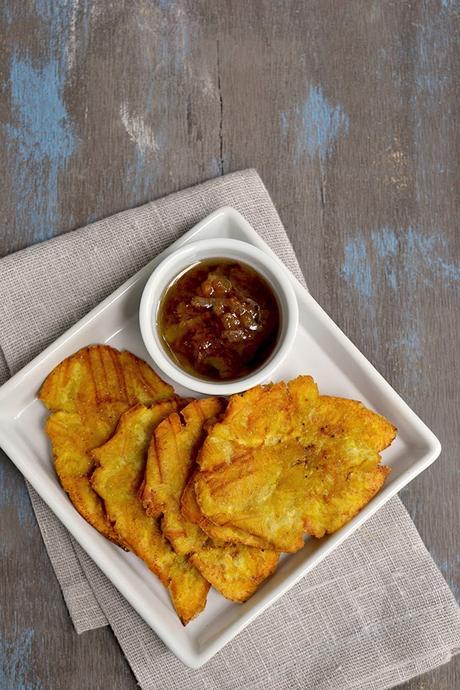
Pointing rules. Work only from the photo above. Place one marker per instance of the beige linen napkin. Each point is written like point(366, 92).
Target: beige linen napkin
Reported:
point(373, 614)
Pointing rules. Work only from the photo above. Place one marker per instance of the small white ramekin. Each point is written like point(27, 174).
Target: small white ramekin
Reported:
point(274, 273)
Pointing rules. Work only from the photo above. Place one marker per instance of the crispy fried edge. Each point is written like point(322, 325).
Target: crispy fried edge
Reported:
point(52, 381)
point(96, 519)
point(171, 583)
point(246, 586)
point(190, 504)
point(155, 505)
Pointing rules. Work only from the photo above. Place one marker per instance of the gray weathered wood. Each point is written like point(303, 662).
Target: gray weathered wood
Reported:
point(347, 110)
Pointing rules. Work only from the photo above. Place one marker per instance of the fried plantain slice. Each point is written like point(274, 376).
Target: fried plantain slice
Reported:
point(87, 393)
point(100, 374)
point(285, 461)
point(191, 510)
point(171, 454)
point(234, 570)
point(72, 437)
point(117, 479)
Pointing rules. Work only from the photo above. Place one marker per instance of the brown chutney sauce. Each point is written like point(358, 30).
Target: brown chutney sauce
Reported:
point(219, 320)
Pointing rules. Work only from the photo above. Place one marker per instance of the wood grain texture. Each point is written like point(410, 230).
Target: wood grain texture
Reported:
point(347, 110)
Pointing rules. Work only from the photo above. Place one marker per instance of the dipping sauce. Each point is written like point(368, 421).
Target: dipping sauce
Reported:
point(219, 320)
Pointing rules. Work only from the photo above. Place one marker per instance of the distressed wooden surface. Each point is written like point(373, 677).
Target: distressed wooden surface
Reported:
point(347, 110)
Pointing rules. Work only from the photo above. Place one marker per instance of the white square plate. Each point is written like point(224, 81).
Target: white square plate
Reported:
point(320, 349)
